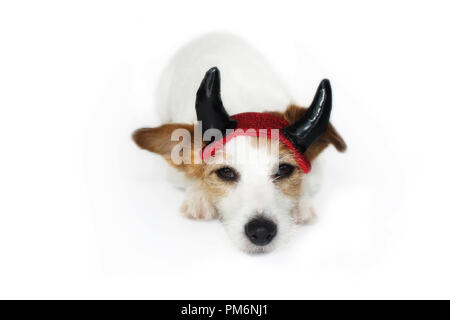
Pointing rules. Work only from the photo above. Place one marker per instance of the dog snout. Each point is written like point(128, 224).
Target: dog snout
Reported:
point(260, 231)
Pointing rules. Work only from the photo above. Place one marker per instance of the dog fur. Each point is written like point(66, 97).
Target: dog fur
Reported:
point(248, 85)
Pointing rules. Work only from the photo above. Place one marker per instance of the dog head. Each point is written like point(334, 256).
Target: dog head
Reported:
point(253, 180)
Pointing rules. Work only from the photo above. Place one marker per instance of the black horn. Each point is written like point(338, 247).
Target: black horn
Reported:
point(209, 106)
point(314, 121)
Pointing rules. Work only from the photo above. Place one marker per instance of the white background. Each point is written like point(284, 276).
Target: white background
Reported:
point(85, 214)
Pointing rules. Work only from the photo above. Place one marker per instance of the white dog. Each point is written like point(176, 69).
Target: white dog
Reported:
point(258, 197)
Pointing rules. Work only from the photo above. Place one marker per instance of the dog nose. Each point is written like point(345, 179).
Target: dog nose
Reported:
point(260, 231)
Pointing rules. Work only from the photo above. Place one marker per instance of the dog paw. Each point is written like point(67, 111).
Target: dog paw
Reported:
point(196, 206)
point(304, 213)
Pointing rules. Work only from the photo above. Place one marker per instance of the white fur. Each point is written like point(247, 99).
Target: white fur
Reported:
point(247, 80)
point(254, 195)
point(248, 84)
point(196, 206)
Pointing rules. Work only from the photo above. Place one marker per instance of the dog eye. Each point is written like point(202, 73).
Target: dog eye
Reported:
point(227, 174)
point(284, 170)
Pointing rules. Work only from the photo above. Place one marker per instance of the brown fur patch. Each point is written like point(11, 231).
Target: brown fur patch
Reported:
point(213, 186)
point(158, 140)
point(290, 186)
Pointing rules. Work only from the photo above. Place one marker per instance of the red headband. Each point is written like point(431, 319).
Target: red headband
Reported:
point(258, 121)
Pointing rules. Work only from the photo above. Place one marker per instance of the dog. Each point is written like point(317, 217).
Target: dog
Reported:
point(259, 197)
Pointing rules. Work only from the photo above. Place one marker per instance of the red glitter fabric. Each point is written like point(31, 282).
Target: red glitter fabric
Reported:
point(258, 121)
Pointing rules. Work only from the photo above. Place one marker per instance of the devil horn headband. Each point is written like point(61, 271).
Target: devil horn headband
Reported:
point(209, 106)
point(303, 132)
point(298, 136)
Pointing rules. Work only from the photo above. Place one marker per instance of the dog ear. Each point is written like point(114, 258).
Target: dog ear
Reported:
point(330, 136)
point(163, 139)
